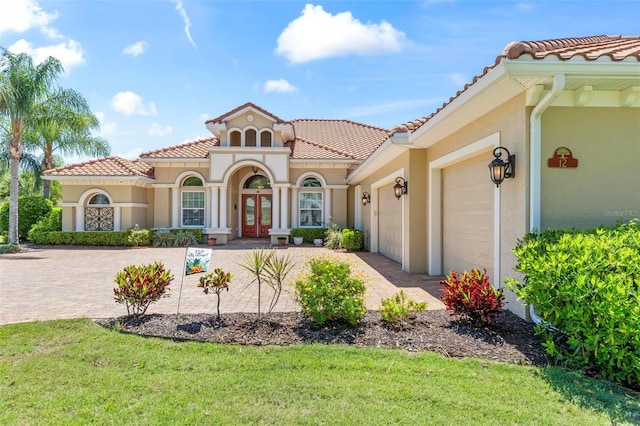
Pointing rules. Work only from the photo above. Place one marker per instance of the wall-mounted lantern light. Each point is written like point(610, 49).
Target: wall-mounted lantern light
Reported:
point(366, 198)
point(500, 169)
point(400, 188)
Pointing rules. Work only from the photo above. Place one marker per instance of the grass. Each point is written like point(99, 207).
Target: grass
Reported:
point(75, 372)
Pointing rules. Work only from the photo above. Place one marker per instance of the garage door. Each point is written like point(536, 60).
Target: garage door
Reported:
point(467, 216)
point(389, 223)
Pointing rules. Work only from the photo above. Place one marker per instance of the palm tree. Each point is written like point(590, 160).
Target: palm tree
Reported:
point(22, 87)
point(63, 123)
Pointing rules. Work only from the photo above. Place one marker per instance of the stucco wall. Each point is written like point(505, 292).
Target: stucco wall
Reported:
point(605, 187)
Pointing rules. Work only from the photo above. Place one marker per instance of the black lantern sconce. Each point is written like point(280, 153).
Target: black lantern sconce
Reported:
point(400, 188)
point(366, 198)
point(500, 169)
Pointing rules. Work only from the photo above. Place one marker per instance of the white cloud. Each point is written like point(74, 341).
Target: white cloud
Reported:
point(130, 103)
point(158, 130)
point(136, 49)
point(279, 86)
point(187, 22)
point(317, 34)
point(69, 52)
point(22, 15)
point(132, 154)
point(458, 79)
point(204, 116)
point(105, 128)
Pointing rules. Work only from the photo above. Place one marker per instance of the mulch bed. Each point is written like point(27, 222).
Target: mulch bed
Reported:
point(509, 339)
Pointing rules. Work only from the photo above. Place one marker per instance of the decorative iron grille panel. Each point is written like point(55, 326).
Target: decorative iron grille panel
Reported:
point(98, 219)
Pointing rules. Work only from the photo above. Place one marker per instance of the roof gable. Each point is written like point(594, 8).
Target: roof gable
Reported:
point(109, 166)
point(249, 106)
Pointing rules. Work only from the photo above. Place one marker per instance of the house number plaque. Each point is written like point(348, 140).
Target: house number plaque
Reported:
point(563, 159)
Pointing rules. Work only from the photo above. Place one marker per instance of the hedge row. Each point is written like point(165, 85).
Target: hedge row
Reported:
point(97, 238)
point(309, 234)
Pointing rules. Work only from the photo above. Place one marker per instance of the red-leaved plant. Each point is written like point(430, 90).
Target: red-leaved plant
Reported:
point(471, 296)
point(215, 282)
point(139, 286)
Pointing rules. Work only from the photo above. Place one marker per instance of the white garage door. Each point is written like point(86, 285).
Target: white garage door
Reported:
point(467, 216)
point(389, 223)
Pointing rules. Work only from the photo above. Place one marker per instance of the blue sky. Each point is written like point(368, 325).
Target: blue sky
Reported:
point(154, 70)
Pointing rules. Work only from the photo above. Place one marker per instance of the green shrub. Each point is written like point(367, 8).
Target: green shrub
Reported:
point(138, 237)
point(330, 292)
point(399, 309)
point(51, 222)
point(587, 285)
point(352, 239)
point(9, 248)
point(309, 234)
point(30, 210)
point(140, 286)
point(176, 238)
point(333, 237)
point(83, 238)
point(471, 296)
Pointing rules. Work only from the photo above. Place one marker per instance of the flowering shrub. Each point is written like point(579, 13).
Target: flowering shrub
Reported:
point(140, 286)
point(471, 296)
point(400, 308)
point(330, 292)
point(215, 282)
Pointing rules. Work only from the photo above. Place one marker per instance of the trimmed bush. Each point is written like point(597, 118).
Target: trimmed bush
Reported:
point(9, 248)
point(330, 292)
point(309, 234)
point(587, 285)
point(471, 296)
point(140, 286)
point(85, 238)
point(30, 210)
point(352, 239)
point(51, 222)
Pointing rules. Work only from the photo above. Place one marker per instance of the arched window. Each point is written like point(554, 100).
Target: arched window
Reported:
point(257, 182)
point(235, 138)
point(311, 203)
point(98, 215)
point(192, 203)
point(265, 139)
point(250, 137)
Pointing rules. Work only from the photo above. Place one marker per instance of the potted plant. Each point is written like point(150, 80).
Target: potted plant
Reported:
point(298, 240)
point(282, 241)
point(212, 241)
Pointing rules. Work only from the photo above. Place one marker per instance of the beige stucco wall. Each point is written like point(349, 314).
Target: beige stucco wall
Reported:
point(605, 187)
point(169, 175)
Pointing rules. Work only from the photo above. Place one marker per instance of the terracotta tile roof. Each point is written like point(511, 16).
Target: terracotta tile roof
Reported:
point(194, 149)
point(224, 116)
point(616, 48)
point(109, 166)
point(332, 139)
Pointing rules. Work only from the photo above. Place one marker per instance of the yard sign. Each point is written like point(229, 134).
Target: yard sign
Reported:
point(197, 260)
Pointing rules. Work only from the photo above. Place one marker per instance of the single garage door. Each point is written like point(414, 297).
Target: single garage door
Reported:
point(467, 216)
point(389, 223)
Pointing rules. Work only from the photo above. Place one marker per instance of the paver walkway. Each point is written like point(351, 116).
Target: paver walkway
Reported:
point(70, 282)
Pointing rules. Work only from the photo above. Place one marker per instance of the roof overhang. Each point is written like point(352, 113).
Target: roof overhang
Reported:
point(323, 164)
point(177, 162)
point(387, 152)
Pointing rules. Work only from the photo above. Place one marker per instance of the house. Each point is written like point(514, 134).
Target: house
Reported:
point(567, 109)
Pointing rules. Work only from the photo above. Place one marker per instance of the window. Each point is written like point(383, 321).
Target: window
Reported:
point(257, 182)
point(98, 216)
point(250, 138)
point(265, 138)
point(192, 203)
point(311, 203)
point(235, 138)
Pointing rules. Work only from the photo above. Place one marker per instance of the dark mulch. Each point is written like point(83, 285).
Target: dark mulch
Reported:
point(509, 339)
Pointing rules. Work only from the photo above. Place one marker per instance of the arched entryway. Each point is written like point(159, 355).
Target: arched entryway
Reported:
point(256, 212)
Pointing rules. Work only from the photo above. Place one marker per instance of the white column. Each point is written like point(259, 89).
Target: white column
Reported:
point(223, 207)
point(215, 219)
point(295, 204)
point(284, 209)
point(116, 218)
point(175, 207)
point(275, 208)
point(357, 218)
point(79, 218)
point(327, 206)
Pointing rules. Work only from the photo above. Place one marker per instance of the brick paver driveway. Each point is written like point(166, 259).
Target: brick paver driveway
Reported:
point(70, 282)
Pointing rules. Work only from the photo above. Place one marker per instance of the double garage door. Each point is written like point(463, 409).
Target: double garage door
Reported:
point(467, 216)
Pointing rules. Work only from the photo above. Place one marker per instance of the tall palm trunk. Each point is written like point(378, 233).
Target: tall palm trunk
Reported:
point(47, 163)
point(13, 198)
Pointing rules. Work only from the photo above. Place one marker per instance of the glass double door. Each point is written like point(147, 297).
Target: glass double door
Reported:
point(256, 215)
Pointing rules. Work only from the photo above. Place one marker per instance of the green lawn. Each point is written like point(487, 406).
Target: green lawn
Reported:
point(75, 372)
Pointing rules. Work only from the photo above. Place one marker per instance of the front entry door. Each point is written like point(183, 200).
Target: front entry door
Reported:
point(256, 215)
